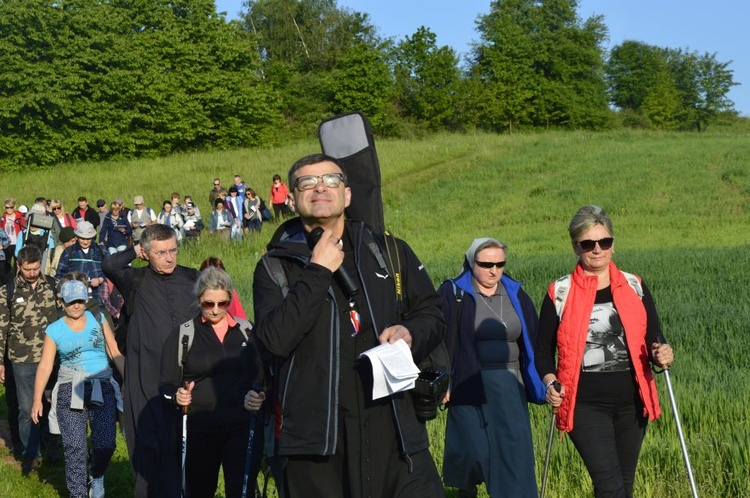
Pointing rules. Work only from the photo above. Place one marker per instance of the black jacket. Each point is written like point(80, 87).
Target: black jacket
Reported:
point(223, 374)
point(303, 332)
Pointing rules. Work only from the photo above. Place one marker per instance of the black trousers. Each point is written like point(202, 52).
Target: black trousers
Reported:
point(208, 451)
point(608, 436)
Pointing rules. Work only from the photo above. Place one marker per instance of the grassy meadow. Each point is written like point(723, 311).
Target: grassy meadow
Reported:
point(680, 204)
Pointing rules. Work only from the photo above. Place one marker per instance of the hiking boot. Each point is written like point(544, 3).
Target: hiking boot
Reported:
point(29, 465)
point(96, 487)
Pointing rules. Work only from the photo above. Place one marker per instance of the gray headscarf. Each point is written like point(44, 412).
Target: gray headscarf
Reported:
point(479, 244)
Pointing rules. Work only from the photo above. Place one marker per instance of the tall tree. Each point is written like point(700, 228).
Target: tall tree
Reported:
point(542, 66)
point(674, 88)
point(502, 65)
point(302, 43)
point(633, 69)
point(89, 80)
point(362, 82)
point(427, 79)
point(704, 84)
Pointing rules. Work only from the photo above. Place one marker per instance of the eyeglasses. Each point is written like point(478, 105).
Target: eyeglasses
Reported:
point(164, 254)
point(209, 305)
point(330, 180)
point(217, 184)
point(489, 264)
point(10, 207)
point(588, 245)
point(56, 208)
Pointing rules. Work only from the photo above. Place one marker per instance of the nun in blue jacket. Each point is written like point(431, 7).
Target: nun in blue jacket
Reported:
point(492, 331)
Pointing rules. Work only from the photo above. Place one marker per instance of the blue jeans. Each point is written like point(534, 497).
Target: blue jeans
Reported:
point(25, 373)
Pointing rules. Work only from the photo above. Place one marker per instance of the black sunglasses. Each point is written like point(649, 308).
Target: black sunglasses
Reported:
point(489, 264)
point(588, 245)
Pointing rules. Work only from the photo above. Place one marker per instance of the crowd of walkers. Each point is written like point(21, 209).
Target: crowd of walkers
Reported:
point(86, 334)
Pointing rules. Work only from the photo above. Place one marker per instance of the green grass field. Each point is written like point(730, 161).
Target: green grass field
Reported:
point(681, 210)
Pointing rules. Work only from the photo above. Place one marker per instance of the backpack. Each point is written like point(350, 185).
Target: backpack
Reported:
point(187, 334)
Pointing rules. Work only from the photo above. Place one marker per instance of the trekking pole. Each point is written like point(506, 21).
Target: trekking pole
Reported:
point(556, 386)
point(679, 433)
point(185, 409)
point(250, 440)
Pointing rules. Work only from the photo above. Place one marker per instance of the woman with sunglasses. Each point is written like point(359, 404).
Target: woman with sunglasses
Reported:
point(492, 326)
point(604, 326)
point(63, 219)
point(216, 379)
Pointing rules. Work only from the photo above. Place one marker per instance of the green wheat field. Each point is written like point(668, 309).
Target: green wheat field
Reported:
point(680, 204)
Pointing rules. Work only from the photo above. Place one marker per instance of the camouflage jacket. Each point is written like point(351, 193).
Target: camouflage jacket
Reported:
point(22, 326)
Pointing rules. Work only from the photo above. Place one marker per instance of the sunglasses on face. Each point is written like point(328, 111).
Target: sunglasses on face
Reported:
point(588, 245)
point(307, 182)
point(56, 208)
point(10, 207)
point(209, 305)
point(489, 264)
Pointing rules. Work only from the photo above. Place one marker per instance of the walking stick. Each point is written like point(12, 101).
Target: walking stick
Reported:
point(556, 386)
point(185, 409)
point(679, 433)
point(250, 440)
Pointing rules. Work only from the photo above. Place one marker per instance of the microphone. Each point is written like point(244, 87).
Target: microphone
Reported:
point(345, 280)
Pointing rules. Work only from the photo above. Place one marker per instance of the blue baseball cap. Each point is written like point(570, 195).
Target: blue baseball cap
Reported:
point(74, 290)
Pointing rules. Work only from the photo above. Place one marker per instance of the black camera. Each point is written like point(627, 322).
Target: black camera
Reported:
point(429, 391)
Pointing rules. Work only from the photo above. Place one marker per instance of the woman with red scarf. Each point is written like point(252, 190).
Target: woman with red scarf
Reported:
point(604, 326)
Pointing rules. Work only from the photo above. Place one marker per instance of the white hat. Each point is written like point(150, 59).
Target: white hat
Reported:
point(85, 230)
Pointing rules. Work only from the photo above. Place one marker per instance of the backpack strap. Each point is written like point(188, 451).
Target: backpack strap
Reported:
point(246, 326)
point(455, 318)
point(562, 288)
point(276, 272)
point(187, 334)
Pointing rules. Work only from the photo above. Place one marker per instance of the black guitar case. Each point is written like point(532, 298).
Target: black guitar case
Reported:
point(348, 138)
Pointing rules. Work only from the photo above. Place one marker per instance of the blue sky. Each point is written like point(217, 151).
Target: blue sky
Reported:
point(700, 26)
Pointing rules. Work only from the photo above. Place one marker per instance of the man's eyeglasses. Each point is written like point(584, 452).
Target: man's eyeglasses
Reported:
point(209, 305)
point(588, 245)
point(489, 264)
point(307, 182)
point(164, 254)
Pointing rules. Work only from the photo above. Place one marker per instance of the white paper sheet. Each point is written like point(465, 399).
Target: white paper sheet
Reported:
point(393, 369)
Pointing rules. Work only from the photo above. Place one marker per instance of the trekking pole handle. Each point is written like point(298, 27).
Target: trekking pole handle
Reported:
point(186, 408)
point(556, 386)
